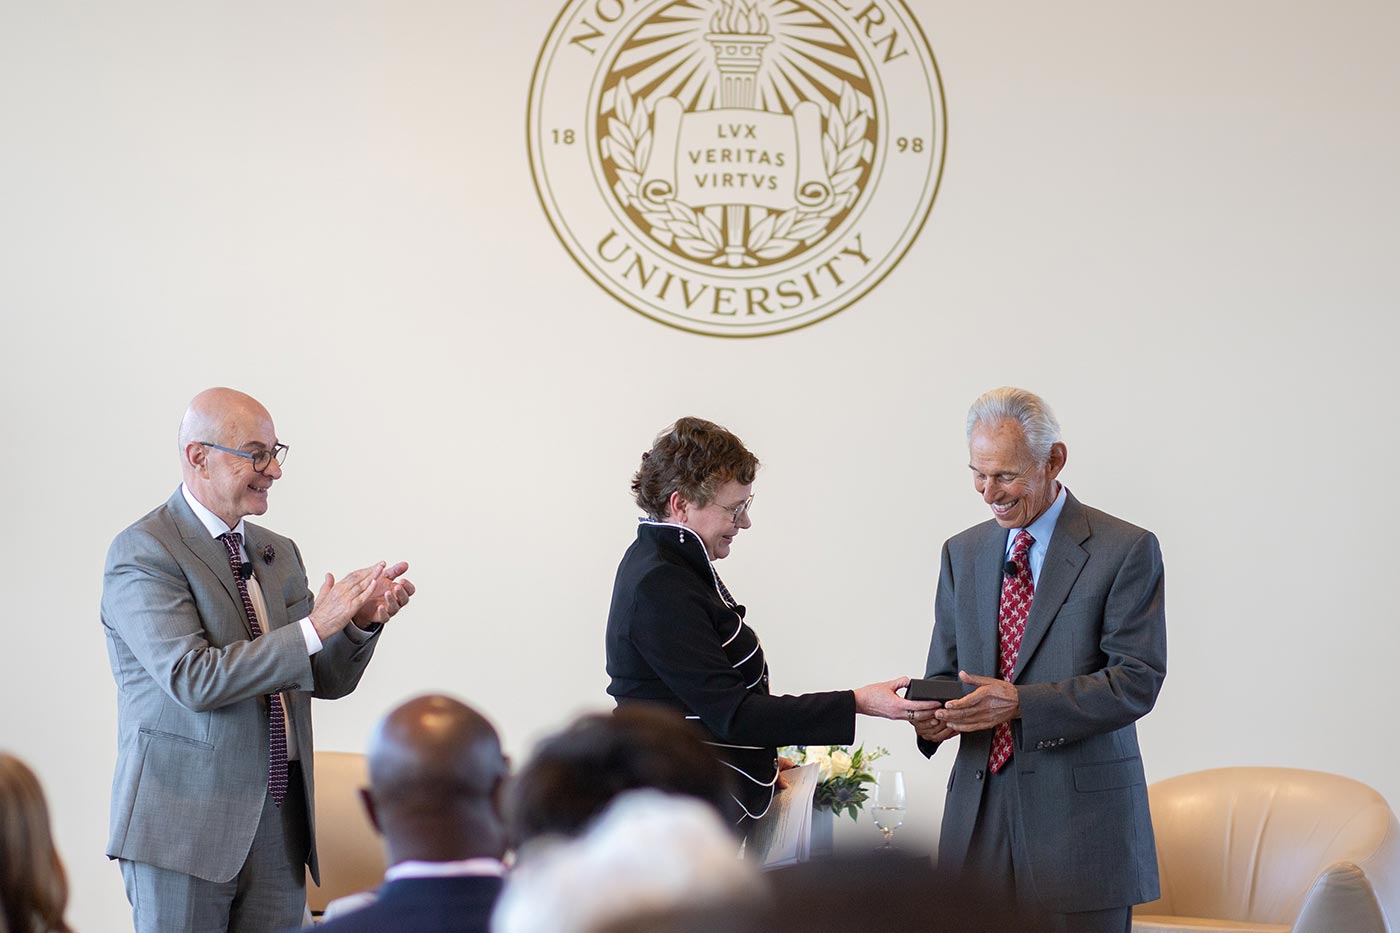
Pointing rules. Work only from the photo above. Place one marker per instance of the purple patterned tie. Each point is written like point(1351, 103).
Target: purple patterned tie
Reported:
point(276, 725)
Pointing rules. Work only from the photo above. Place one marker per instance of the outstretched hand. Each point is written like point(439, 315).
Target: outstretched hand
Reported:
point(390, 594)
point(883, 700)
point(337, 602)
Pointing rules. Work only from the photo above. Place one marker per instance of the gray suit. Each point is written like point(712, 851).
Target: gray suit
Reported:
point(191, 775)
point(1091, 663)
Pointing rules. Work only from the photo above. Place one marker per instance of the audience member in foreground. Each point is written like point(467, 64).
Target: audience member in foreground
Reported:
point(895, 891)
point(33, 889)
point(573, 775)
point(1054, 612)
point(677, 638)
point(436, 777)
point(648, 852)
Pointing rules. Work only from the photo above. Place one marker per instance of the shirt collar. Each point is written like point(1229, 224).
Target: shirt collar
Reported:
point(474, 867)
point(212, 523)
point(1043, 527)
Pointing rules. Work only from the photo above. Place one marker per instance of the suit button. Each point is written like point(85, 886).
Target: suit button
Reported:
point(979, 774)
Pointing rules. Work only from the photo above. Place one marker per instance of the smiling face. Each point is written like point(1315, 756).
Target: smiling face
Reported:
point(1014, 486)
point(226, 483)
point(714, 522)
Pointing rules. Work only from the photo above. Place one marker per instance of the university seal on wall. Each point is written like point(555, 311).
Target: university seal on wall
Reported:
point(736, 167)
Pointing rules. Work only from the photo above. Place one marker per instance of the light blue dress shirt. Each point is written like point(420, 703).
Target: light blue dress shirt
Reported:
point(1041, 529)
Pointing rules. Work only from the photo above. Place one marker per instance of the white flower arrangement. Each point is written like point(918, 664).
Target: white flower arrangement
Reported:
point(842, 774)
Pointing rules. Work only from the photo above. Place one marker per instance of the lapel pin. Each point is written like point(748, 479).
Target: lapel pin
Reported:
point(269, 554)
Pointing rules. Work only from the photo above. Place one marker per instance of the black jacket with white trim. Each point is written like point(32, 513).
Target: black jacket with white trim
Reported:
point(677, 639)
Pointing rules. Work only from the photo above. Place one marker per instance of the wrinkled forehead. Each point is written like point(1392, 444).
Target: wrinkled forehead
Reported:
point(1002, 444)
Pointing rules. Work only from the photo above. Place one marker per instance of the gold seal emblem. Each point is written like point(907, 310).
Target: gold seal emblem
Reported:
point(736, 167)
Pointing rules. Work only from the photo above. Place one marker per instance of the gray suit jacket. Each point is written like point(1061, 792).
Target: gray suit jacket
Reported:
point(1091, 663)
point(191, 723)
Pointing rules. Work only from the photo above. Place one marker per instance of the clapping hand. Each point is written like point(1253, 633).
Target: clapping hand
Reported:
point(391, 593)
point(338, 602)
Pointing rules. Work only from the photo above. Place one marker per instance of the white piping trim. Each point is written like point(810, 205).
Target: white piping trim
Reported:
point(755, 651)
point(736, 633)
point(751, 816)
point(714, 577)
point(746, 774)
point(751, 748)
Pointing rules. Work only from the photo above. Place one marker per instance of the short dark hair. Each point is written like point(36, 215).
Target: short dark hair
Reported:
point(575, 774)
point(693, 457)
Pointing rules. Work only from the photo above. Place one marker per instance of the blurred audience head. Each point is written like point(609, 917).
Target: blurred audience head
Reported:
point(437, 777)
point(648, 853)
point(576, 773)
point(33, 888)
point(895, 891)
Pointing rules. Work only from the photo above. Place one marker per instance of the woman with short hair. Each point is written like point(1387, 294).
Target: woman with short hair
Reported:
point(677, 638)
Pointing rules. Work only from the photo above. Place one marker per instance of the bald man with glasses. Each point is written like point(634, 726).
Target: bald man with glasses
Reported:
point(217, 647)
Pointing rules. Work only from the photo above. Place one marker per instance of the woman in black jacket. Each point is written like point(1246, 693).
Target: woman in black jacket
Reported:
point(677, 638)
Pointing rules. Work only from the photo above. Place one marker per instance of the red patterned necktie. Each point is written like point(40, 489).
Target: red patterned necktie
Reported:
point(276, 725)
point(1017, 591)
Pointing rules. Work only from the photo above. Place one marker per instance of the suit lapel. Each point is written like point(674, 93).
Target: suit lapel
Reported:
point(208, 549)
point(987, 591)
point(1064, 559)
point(268, 578)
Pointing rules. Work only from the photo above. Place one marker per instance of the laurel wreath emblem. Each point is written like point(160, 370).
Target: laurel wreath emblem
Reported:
point(845, 150)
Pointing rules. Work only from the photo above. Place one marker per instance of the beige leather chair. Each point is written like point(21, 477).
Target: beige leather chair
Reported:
point(351, 852)
point(1269, 850)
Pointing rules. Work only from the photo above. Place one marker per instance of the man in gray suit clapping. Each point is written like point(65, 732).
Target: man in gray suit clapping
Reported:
point(1052, 615)
point(217, 647)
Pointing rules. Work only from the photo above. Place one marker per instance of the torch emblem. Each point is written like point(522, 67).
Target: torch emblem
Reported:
point(739, 149)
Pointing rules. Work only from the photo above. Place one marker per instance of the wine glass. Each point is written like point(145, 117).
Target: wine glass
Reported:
point(887, 805)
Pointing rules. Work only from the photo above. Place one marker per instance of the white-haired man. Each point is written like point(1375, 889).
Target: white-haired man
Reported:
point(1052, 612)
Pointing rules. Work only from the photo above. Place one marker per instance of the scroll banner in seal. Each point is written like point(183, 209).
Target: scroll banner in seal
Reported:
point(735, 156)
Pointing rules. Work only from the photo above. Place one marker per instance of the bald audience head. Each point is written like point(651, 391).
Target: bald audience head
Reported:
point(436, 775)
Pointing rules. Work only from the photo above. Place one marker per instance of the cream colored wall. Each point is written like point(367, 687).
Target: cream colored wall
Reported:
point(1176, 221)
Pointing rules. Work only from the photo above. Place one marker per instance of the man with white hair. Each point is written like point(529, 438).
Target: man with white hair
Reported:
point(217, 648)
point(1052, 614)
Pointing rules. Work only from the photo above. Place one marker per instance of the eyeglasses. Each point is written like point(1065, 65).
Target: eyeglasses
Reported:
point(738, 511)
point(261, 460)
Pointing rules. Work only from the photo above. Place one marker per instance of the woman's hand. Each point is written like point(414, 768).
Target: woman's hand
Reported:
point(784, 764)
point(884, 701)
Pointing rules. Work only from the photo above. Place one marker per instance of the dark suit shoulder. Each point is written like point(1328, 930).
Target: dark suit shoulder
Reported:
point(976, 537)
point(1101, 521)
point(425, 905)
point(1106, 527)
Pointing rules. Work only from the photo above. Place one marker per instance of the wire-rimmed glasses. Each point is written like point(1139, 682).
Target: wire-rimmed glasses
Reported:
point(736, 513)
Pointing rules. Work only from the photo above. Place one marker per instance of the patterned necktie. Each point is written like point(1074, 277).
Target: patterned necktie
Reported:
point(276, 725)
point(1017, 591)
